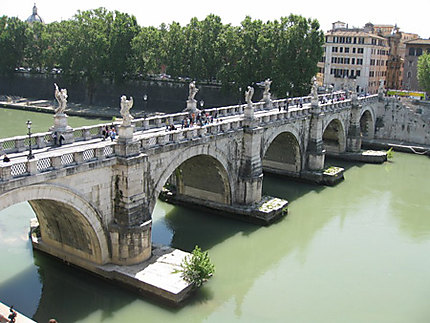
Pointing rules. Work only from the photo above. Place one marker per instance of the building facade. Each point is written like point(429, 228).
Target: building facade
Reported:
point(354, 54)
point(414, 49)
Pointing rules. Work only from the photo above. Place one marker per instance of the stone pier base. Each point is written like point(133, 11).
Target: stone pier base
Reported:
point(153, 278)
point(367, 156)
point(265, 212)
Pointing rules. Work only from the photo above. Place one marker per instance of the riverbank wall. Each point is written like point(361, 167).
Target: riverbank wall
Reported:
point(161, 95)
point(403, 122)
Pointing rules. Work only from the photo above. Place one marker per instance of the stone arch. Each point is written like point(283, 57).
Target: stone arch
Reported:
point(282, 152)
point(334, 138)
point(78, 231)
point(367, 123)
point(218, 159)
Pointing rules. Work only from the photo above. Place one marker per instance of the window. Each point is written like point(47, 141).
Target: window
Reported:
point(346, 49)
point(334, 49)
point(358, 73)
point(359, 61)
point(340, 49)
point(419, 51)
point(372, 62)
point(352, 73)
point(409, 75)
point(412, 51)
point(360, 50)
point(352, 61)
point(355, 40)
point(353, 50)
point(346, 60)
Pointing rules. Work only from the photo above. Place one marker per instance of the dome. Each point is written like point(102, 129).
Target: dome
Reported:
point(34, 17)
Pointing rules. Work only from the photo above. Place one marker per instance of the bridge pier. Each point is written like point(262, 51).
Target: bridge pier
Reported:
point(315, 151)
point(130, 232)
point(353, 140)
point(250, 179)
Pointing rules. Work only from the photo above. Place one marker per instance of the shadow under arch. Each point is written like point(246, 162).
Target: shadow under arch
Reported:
point(334, 137)
point(69, 224)
point(217, 166)
point(367, 123)
point(282, 153)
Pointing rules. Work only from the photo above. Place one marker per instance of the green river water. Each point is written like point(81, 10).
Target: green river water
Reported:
point(356, 252)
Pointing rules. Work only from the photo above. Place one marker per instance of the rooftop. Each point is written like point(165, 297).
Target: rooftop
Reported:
point(419, 41)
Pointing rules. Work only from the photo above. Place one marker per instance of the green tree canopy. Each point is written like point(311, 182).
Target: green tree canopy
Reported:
point(13, 40)
point(424, 71)
point(99, 44)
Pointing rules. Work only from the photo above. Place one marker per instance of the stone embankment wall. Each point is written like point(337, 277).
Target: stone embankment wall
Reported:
point(403, 121)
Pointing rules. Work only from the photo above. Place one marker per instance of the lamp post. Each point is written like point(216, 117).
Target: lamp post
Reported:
point(145, 103)
point(202, 103)
point(30, 155)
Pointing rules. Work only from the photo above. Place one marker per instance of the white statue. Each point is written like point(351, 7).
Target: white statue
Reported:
point(61, 96)
point(381, 85)
point(267, 84)
point(193, 91)
point(249, 94)
point(126, 105)
point(314, 90)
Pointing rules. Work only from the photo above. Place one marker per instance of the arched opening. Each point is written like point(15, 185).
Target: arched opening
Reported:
point(201, 180)
point(366, 125)
point(69, 226)
point(334, 137)
point(201, 177)
point(283, 155)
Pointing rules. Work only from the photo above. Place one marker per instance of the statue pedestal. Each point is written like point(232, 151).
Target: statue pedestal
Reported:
point(61, 128)
point(60, 122)
point(125, 133)
point(191, 106)
point(127, 146)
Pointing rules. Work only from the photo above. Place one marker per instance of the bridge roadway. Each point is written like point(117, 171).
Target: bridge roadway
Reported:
point(94, 199)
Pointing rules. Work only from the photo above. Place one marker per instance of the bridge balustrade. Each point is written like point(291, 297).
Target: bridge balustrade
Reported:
point(42, 140)
point(43, 164)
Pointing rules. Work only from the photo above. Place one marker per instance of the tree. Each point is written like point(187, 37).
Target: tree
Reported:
point(197, 267)
point(13, 40)
point(124, 30)
point(85, 53)
point(148, 51)
point(424, 71)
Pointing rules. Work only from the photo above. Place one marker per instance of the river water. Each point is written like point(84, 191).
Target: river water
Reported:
point(356, 252)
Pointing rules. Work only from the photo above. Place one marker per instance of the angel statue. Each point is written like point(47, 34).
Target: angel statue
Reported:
point(314, 90)
point(126, 105)
point(267, 84)
point(193, 91)
point(249, 94)
point(61, 96)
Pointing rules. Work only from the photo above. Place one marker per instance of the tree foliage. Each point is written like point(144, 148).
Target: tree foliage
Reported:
point(424, 71)
point(99, 44)
point(197, 267)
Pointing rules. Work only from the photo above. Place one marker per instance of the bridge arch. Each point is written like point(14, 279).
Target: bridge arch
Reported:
point(334, 136)
point(208, 170)
point(76, 231)
point(281, 152)
point(367, 123)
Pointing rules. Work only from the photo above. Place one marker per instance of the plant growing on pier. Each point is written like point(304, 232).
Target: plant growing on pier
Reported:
point(197, 267)
point(390, 153)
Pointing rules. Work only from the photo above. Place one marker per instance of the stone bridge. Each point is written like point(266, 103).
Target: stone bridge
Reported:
point(94, 199)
